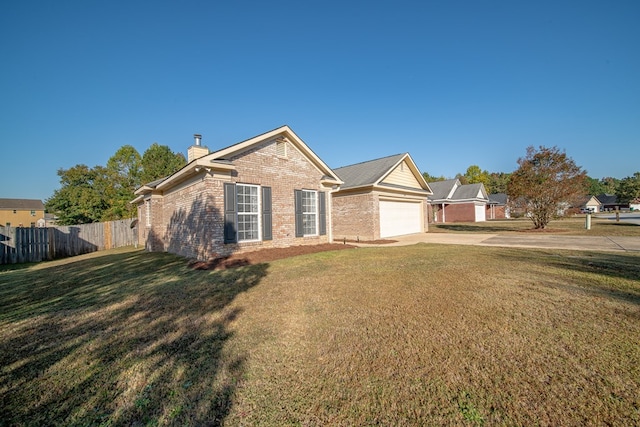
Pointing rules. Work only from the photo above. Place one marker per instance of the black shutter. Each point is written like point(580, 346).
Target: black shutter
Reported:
point(267, 233)
point(299, 218)
point(322, 213)
point(230, 218)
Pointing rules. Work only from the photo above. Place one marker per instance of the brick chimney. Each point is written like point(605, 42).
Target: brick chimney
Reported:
point(196, 150)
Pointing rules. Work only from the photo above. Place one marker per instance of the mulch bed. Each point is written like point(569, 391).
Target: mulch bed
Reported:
point(264, 255)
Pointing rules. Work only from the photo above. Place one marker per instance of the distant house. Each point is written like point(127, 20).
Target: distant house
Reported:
point(497, 207)
point(380, 198)
point(635, 204)
point(22, 213)
point(609, 202)
point(453, 202)
point(590, 204)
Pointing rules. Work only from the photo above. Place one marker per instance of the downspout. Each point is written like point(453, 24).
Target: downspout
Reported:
point(334, 189)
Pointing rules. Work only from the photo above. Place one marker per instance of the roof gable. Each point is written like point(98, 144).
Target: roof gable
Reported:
point(452, 190)
point(219, 160)
point(397, 170)
point(444, 189)
point(283, 133)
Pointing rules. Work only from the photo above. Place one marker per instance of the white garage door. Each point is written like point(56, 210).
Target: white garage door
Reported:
point(481, 213)
point(398, 218)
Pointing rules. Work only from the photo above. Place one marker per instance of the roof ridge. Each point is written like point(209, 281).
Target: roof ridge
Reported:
point(372, 160)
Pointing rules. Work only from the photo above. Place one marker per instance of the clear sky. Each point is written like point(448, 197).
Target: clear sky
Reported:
point(454, 83)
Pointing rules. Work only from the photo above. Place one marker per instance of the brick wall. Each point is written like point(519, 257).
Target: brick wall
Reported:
point(495, 212)
point(458, 212)
point(192, 220)
point(355, 216)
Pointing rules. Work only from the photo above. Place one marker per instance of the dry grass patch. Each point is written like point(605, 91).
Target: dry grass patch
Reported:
point(421, 335)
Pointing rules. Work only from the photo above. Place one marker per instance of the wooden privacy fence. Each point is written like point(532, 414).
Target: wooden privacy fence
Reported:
point(20, 244)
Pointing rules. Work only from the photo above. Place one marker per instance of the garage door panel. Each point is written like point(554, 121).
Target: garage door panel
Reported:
point(399, 218)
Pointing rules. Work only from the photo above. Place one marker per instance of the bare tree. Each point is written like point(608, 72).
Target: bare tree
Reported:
point(545, 183)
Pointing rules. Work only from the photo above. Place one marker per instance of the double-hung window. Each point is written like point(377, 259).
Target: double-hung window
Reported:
point(147, 212)
point(247, 213)
point(248, 203)
point(311, 215)
point(309, 212)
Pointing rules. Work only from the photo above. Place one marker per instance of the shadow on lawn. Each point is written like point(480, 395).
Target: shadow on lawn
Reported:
point(608, 265)
point(471, 228)
point(125, 339)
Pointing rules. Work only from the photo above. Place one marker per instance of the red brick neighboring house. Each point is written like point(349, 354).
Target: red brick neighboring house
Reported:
point(380, 198)
point(269, 191)
point(453, 202)
point(497, 207)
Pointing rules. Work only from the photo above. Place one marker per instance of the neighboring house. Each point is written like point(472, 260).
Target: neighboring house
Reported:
point(380, 198)
point(590, 204)
point(22, 213)
point(268, 191)
point(609, 202)
point(497, 206)
point(453, 202)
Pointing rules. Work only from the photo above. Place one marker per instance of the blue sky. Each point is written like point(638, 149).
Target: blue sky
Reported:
point(454, 83)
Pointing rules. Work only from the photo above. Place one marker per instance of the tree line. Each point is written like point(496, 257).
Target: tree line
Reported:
point(103, 193)
point(626, 189)
point(546, 182)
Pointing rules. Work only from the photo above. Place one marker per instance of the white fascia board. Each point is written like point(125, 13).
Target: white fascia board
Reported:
point(200, 164)
point(414, 170)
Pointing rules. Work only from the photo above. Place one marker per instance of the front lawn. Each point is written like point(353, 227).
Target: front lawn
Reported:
point(418, 335)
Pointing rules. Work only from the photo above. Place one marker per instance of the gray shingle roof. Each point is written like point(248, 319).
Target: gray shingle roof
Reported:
point(22, 204)
point(498, 198)
point(467, 191)
point(441, 189)
point(367, 173)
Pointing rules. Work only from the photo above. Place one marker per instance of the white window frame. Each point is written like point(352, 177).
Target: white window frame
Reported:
point(306, 196)
point(254, 212)
point(147, 212)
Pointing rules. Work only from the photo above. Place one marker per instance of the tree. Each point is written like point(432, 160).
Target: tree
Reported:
point(431, 178)
point(628, 188)
point(475, 175)
point(124, 169)
point(83, 196)
point(545, 182)
point(159, 161)
point(603, 186)
point(498, 182)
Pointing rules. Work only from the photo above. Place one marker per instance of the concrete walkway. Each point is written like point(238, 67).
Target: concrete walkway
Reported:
point(586, 243)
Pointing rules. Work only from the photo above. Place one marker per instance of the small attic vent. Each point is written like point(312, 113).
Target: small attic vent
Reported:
point(281, 148)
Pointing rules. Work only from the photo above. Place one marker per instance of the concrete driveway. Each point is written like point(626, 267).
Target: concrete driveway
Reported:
point(586, 243)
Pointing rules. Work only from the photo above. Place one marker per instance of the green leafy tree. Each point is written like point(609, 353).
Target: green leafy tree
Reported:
point(159, 161)
point(124, 169)
point(498, 182)
point(628, 188)
point(82, 197)
point(475, 175)
point(602, 186)
point(545, 181)
point(432, 178)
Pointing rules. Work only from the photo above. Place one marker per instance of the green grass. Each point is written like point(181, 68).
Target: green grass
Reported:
point(418, 335)
point(574, 226)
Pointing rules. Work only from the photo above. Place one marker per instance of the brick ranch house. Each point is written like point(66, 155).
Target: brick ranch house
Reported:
point(452, 201)
point(273, 191)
